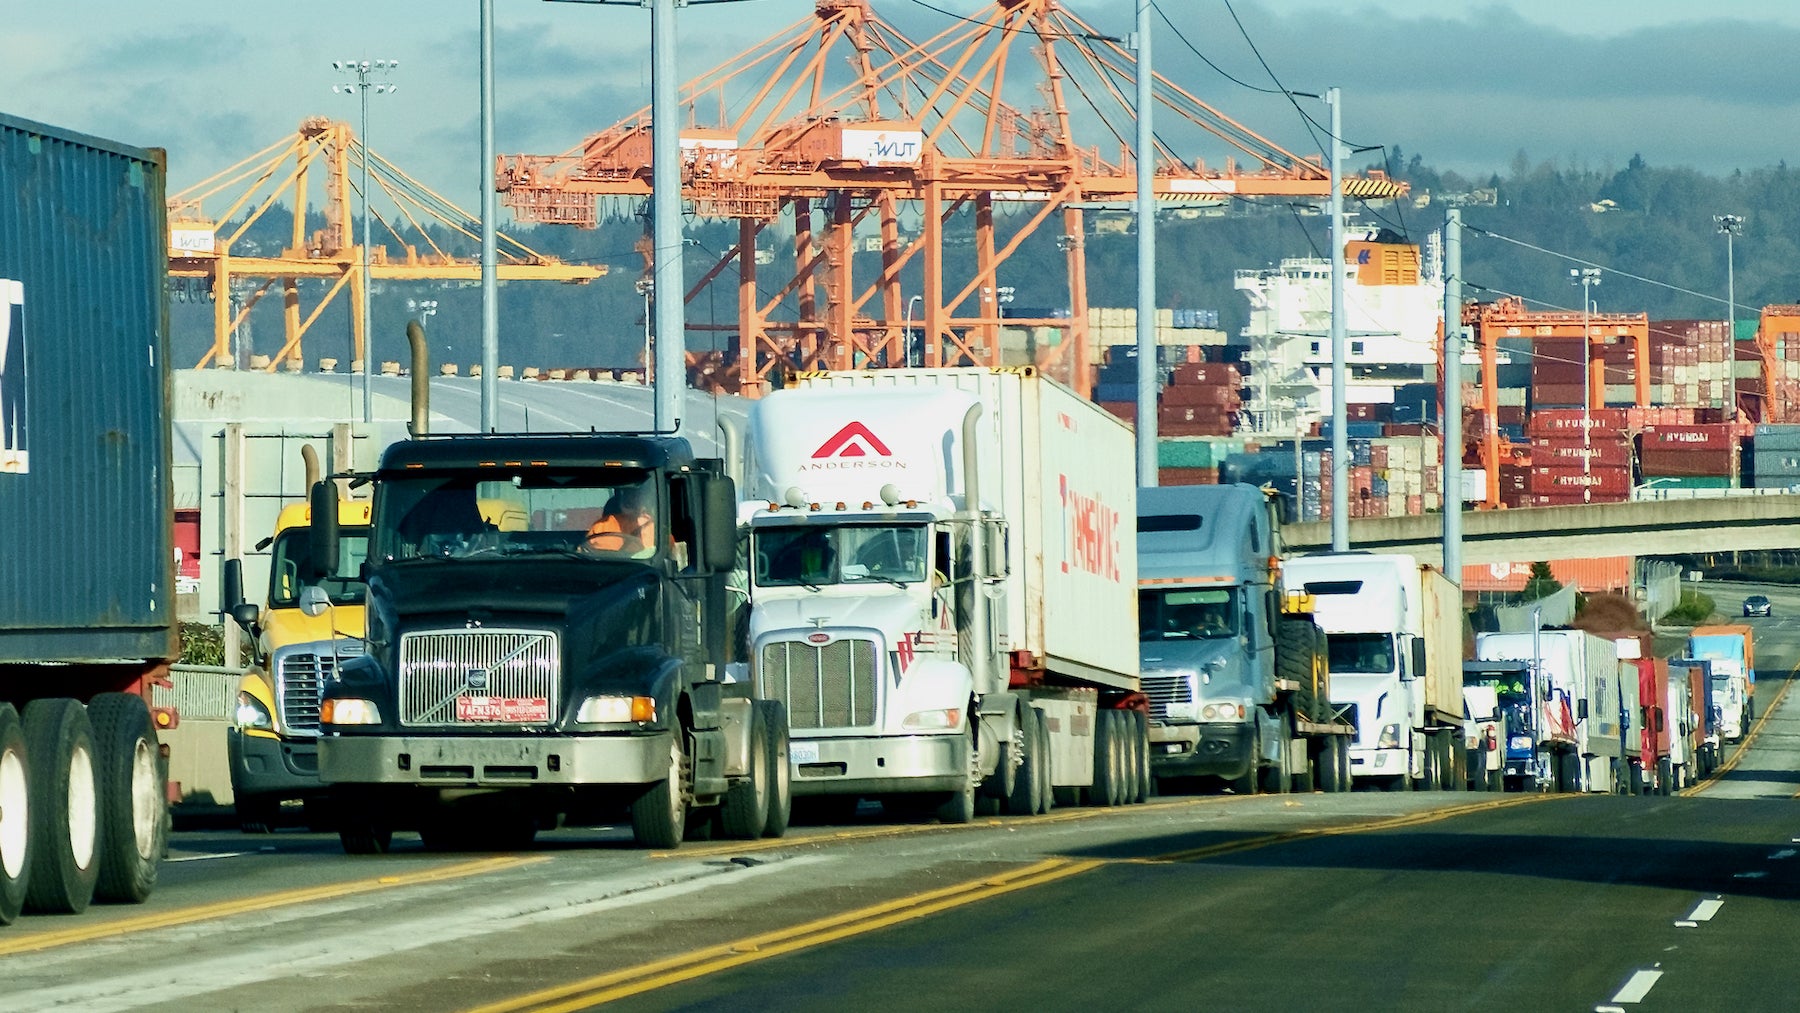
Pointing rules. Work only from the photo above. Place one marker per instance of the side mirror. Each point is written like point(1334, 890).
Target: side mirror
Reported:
point(232, 597)
point(718, 510)
point(323, 543)
point(1581, 710)
point(1418, 658)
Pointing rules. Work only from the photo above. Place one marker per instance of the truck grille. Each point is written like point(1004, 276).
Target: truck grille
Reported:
point(299, 679)
point(1163, 689)
point(827, 686)
point(438, 667)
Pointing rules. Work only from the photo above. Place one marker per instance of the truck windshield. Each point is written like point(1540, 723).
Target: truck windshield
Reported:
point(1366, 653)
point(290, 570)
point(816, 555)
point(1186, 614)
point(602, 512)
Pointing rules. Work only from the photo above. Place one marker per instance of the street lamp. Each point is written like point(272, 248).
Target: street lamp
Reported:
point(1731, 226)
point(424, 310)
point(365, 71)
point(1587, 278)
point(909, 333)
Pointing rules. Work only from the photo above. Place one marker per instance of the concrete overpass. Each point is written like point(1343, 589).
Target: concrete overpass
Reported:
point(1643, 528)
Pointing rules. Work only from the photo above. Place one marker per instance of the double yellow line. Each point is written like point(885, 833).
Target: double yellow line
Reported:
point(33, 941)
point(1756, 729)
point(1367, 826)
point(632, 981)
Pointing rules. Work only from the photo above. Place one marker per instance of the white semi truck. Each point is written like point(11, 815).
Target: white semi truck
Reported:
point(943, 586)
point(1393, 632)
point(1575, 673)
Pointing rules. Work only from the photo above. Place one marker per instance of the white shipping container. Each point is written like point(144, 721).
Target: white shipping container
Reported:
point(1063, 472)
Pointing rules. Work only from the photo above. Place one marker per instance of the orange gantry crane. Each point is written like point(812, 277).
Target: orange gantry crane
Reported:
point(850, 128)
point(1778, 339)
point(1508, 318)
point(200, 248)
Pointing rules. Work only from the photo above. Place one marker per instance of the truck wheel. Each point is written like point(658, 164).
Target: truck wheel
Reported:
point(1496, 780)
point(257, 814)
point(1109, 760)
point(1128, 756)
point(781, 793)
point(1141, 725)
point(1026, 761)
point(1003, 784)
point(1456, 763)
point(1296, 651)
point(1636, 786)
point(64, 806)
point(362, 828)
point(15, 816)
point(659, 816)
point(960, 806)
point(1245, 783)
point(1046, 793)
point(132, 797)
point(745, 808)
point(1665, 776)
point(1277, 778)
point(1328, 766)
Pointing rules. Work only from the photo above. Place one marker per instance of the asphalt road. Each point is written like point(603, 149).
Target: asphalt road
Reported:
point(1420, 901)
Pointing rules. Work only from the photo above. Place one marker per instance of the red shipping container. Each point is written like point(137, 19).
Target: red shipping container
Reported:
point(1688, 463)
point(1126, 410)
point(1378, 457)
point(1556, 395)
point(1552, 421)
point(1601, 450)
point(1214, 427)
point(1199, 394)
point(1556, 372)
point(1694, 437)
point(1415, 505)
point(1188, 476)
point(1602, 574)
point(1402, 429)
point(1558, 479)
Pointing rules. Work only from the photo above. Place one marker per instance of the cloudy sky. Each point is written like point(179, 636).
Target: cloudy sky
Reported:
point(1465, 83)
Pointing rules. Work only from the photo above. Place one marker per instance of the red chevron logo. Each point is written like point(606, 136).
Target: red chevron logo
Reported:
point(854, 440)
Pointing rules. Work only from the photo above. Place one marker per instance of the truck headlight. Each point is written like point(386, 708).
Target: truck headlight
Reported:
point(251, 713)
point(947, 720)
point(349, 711)
point(1222, 712)
point(1389, 738)
point(616, 710)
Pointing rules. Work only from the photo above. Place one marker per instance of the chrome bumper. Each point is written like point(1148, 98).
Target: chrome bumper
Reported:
point(493, 761)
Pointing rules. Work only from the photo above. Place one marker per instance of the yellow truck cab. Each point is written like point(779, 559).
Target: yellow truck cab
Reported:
point(307, 626)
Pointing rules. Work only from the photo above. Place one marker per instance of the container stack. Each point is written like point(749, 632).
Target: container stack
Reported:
point(1201, 399)
point(1194, 460)
point(1775, 456)
point(1557, 374)
point(1689, 456)
point(1568, 467)
point(1783, 403)
point(1110, 326)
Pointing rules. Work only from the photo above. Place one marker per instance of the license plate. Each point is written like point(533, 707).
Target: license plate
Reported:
point(804, 752)
point(502, 709)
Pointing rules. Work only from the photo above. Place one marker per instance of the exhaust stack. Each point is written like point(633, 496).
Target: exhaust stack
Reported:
point(421, 379)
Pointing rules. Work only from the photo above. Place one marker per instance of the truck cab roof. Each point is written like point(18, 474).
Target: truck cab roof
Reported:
point(1204, 531)
point(578, 450)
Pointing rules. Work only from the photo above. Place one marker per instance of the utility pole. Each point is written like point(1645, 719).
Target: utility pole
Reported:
point(1731, 226)
point(490, 278)
point(1149, 371)
point(665, 214)
point(1587, 278)
point(1340, 440)
point(1450, 467)
point(364, 70)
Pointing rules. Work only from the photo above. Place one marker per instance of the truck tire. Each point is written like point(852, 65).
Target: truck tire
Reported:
point(64, 807)
point(257, 814)
point(1106, 789)
point(1245, 783)
point(1046, 767)
point(1277, 778)
point(1329, 771)
point(1141, 724)
point(745, 808)
point(1665, 776)
point(1023, 754)
point(959, 808)
point(1003, 783)
point(133, 798)
point(1636, 776)
point(659, 816)
point(1296, 654)
point(1128, 757)
point(15, 816)
point(781, 793)
point(363, 826)
point(1456, 763)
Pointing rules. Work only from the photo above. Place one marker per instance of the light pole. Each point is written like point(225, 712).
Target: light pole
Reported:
point(365, 70)
point(909, 338)
point(646, 287)
point(1587, 278)
point(1731, 226)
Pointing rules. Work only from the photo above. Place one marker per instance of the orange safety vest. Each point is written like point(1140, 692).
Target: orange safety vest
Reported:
point(610, 533)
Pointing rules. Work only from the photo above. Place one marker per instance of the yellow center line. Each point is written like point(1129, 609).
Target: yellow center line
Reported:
point(33, 942)
point(1756, 729)
point(874, 833)
point(1368, 826)
point(632, 981)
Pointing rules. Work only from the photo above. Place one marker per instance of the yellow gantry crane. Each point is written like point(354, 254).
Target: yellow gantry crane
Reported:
point(202, 245)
